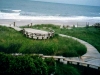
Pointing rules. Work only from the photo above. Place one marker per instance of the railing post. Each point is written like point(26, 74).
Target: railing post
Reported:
point(14, 24)
point(98, 68)
point(77, 24)
point(58, 59)
point(87, 65)
point(28, 25)
point(31, 24)
point(77, 63)
point(61, 60)
point(67, 62)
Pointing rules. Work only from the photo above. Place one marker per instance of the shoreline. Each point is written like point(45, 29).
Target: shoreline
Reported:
point(23, 22)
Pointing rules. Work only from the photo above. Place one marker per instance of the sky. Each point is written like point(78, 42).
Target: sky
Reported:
point(79, 2)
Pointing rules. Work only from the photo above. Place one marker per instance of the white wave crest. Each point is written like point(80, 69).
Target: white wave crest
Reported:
point(16, 10)
point(18, 16)
point(9, 15)
point(10, 11)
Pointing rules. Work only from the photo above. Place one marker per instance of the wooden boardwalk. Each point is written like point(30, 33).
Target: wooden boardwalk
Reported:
point(92, 56)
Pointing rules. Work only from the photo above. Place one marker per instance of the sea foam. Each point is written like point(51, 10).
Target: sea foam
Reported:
point(72, 18)
point(16, 10)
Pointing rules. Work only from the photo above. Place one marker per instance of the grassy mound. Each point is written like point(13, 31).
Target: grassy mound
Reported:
point(12, 41)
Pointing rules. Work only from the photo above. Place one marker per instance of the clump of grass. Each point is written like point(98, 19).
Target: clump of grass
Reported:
point(12, 41)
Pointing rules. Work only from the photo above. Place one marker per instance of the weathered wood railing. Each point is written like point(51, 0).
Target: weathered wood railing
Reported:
point(65, 60)
point(38, 35)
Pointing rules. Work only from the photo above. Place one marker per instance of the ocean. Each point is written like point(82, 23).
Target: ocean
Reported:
point(36, 10)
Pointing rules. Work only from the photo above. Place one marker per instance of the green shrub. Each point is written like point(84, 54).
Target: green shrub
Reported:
point(22, 65)
point(33, 65)
point(51, 65)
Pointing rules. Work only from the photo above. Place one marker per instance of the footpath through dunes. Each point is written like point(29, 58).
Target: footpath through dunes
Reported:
point(92, 57)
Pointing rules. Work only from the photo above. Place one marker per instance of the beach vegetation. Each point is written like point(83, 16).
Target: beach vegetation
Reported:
point(12, 41)
point(90, 34)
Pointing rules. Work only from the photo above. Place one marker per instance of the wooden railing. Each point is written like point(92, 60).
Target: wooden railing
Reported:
point(65, 60)
point(38, 35)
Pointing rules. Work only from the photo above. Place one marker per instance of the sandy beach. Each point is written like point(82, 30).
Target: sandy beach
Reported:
point(23, 22)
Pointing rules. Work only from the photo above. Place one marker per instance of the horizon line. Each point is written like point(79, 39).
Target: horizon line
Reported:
point(65, 3)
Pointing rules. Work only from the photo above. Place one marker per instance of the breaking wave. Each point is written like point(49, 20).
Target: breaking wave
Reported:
point(10, 11)
point(18, 14)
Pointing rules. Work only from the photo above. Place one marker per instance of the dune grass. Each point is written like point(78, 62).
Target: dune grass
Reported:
point(90, 34)
point(12, 41)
